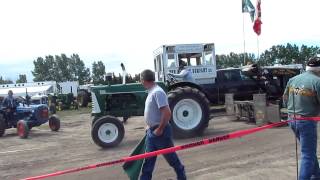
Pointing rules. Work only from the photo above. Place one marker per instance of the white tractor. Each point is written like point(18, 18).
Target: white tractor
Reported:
point(188, 100)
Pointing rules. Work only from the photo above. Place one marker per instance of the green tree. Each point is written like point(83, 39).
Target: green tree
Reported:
point(5, 81)
point(80, 72)
point(233, 60)
point(22, 78)
point(288, 54)
point(60, 68)
point(98, 72)
point(63, 64)
point(40, 69)
point(44, 69)
point(136, 78)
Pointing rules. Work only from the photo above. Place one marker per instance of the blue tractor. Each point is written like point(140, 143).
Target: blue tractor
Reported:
point(26, 116)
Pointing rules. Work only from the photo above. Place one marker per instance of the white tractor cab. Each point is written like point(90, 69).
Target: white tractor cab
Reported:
point(199, 58)
point(39, 99)
point(43, 99)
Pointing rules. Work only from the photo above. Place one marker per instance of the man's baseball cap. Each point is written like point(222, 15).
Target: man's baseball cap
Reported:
point(313, 64)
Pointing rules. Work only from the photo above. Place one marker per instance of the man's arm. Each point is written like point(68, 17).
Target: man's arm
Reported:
point(182, 74)
point(164, 120)
point(285, 95)
point(163, 105)
point(318, 92)
point(5, 103)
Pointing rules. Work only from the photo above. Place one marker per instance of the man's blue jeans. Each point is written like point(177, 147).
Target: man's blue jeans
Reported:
point(306, 132)
point(154, 143)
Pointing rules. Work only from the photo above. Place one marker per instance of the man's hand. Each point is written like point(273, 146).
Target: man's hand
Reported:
point(158, 132)
point(165, 118)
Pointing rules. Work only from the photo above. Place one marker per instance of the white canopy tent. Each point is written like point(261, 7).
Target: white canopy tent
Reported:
point(21, 91)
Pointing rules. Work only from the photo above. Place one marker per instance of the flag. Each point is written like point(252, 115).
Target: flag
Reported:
point(258, 22)
point(133, 168)
point(257, 26)
point(247, 7)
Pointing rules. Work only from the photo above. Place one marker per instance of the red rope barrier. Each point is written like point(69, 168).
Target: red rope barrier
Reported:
point(203, 142)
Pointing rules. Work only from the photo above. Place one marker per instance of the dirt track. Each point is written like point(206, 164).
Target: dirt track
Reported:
point(266, 155)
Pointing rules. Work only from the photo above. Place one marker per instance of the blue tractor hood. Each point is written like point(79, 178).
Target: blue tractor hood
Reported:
point(30, 108)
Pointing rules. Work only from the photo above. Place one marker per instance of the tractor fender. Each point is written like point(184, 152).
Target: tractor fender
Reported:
point(189, 84)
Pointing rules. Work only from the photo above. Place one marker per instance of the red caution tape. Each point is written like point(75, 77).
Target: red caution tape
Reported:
point(308, 118)
point(213, 140)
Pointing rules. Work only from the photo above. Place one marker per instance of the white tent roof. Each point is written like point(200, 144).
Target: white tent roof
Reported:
point(21, 91)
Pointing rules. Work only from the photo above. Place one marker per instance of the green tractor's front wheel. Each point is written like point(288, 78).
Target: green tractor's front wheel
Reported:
point(107, 131)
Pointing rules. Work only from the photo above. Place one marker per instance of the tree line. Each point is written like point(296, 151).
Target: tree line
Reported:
point(63, 68)
point(278, 54)
point(60, 68)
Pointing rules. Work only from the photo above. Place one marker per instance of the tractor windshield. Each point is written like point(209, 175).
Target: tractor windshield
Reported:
point(191, 59)
point(35, 101)
point(208, 57)
point(171, 61)
point(197, 58)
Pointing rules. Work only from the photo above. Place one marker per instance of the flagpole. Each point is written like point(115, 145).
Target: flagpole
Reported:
point(244, 41)
point(258, 48)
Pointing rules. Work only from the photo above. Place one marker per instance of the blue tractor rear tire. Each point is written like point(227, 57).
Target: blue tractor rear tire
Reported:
point(22, 129)
point(54, 123)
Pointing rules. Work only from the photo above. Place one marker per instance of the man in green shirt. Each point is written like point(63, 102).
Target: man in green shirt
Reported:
point(302, 96)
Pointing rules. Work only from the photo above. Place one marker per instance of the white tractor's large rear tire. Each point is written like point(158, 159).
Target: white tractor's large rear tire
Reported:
point(190, 111)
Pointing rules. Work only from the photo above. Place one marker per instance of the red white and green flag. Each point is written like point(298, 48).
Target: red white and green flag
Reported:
point(257, 23)
point(247, 7)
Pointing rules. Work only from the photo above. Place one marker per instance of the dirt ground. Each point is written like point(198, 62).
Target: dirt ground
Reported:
point(265, 155)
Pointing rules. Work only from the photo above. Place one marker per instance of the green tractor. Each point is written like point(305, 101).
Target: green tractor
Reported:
point(64, 101)
point(188, 101)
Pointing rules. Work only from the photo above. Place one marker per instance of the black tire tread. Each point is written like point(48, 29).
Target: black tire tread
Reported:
point(26, 134)
point(55, 119)
point(85, 98)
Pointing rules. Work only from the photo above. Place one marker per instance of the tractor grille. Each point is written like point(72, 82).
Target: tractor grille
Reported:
point(44, 113)
point(41, 113)
point(95, 105)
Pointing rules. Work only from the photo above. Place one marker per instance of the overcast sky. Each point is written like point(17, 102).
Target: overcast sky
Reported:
point(129, 30)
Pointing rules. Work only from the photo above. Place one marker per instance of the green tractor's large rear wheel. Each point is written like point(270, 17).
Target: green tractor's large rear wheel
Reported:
point(2, 125)
point(190, 111)
point(83, 98)
point(107, 131)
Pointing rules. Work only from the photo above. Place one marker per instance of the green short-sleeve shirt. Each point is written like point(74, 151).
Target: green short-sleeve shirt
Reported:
point(303, 92)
